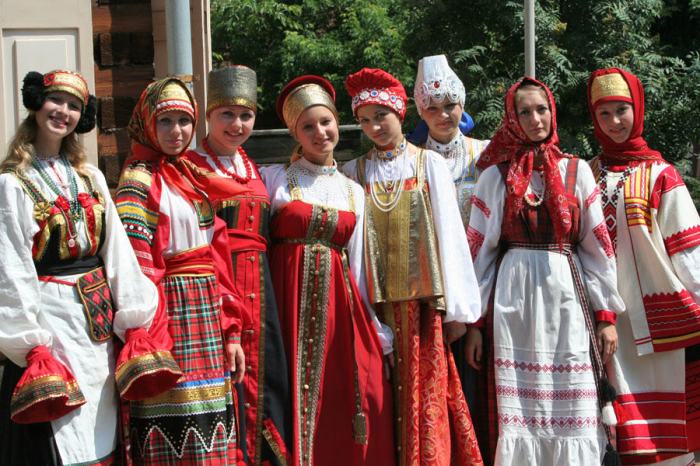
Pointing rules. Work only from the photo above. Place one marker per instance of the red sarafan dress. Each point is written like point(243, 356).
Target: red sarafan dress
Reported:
point(339, 392)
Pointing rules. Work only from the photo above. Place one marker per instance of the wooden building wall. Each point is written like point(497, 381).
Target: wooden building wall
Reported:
point(123, 44)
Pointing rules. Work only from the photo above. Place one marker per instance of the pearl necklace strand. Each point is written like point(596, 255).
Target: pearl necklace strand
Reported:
point(395, 186)
point(537, 198)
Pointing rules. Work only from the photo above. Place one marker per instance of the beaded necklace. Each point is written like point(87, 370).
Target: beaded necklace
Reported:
point(230, 171)
point(532, 198)
point(75, 208)
point(75, 211)
point(457, 156)
point(393, 153)
point(395, 185)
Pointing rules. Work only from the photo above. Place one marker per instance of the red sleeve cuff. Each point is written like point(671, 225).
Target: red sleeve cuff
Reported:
point(143, 370)
point(606, 316)
point(46, 391)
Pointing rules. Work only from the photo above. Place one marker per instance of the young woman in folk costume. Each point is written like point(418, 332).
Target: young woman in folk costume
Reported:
point(220, 167)
point(69, 281)
point(439, 95)
point(341, 402)
point(419, 272)
point(183, 249)
point(545, 266)
point(655, 233)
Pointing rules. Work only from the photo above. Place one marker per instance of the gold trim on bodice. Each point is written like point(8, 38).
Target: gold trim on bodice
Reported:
point(313, 320)
point(401, 248)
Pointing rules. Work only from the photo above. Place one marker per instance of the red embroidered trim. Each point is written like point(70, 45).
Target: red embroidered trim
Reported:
point(571, 422)
point(475, 240)
point(667, 180)
point(541, 367)
point(539, 394)
point(686, 239)
point(673, 320)
point(481, 205)
point(663, 428)
point(592, 197)
point(601, 233)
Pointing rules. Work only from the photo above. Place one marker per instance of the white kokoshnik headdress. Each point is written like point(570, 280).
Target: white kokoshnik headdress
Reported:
point(437, 81)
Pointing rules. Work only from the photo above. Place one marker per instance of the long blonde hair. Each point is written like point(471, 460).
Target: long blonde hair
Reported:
point(21, 151)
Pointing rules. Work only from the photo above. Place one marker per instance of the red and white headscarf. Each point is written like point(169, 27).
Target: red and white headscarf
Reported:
point(372, 86)
point(511, 145)
point(615, 85)
point(164, 95)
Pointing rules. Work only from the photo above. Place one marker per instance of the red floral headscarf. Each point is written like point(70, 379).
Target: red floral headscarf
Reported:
point(605, 85)
point(160, 96)
point(511, 145)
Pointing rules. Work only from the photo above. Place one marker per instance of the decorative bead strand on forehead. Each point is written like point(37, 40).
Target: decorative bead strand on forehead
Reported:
point(380, 97)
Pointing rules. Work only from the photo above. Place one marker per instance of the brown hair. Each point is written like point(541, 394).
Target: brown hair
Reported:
point(530, 86)
point(20, 152)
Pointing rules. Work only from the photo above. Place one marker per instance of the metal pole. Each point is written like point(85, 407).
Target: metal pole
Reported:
point(178, 28)
point(179, 38)
point(529, 17)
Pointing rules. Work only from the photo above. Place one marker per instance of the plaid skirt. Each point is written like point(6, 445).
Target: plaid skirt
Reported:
point(194, 423)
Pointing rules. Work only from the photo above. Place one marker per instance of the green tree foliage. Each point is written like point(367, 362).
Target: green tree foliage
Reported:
point(282, 40)
point(657, 40)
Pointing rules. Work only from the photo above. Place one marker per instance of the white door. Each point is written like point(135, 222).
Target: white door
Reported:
point(41, 35)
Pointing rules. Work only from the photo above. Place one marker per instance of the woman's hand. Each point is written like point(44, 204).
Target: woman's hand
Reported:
point(472, 350)
point(606, 336)
point(453, 331)
point(236, 361)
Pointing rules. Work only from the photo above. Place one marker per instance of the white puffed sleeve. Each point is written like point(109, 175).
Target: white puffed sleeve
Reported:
point(356, 258)
point(275, 179)
point(459, 281)
point(349, 169)
point(484, 230)
point(20, 299)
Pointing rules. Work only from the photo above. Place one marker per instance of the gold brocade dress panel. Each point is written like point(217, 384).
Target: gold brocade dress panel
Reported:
point(401, 248)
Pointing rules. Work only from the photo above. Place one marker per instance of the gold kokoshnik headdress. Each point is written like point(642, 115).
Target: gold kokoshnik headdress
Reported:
point(301, 93)
point(233, 85)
